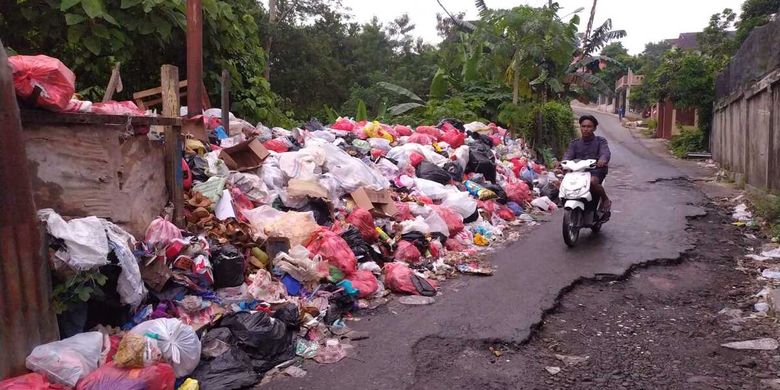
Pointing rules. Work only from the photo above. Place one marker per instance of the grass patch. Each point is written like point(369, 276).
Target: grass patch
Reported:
point(767, 207)
point(690, 139)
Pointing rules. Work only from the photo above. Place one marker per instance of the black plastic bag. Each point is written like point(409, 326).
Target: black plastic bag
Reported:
point(454, 122)
point(340, 304)
point(288, 313)
point(319, 208)
point(363, 251)
point(266, 340)
point(228, 371)
point(549, 190)
point(481, 161)
point(430, 171)
point(455, 171)
point(198, 166)
point(418, 239)
point(228, 266)
point(500, 193)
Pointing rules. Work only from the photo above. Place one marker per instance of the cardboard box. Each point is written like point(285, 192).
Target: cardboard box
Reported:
point(244, 156)
point(378, 202)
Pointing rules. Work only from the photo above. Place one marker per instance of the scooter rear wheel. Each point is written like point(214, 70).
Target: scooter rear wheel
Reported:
point(571, 226)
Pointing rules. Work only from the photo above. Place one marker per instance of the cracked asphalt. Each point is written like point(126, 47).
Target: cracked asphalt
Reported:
point(650, 211)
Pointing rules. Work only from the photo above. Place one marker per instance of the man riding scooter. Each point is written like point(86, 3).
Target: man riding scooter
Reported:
point(591, 146)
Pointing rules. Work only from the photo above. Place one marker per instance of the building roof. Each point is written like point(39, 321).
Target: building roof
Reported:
point(687, 41)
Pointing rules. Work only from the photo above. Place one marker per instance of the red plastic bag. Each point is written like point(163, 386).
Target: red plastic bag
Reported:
point(506, 213)
point(113, 347)
point(407, 252)
point(159, 376)
point(362, 219)
point(453, 220)
point(454, 138)
point(447, 126)
point(376, 153)
point(398, 278)
point(429, 130)
point(403, 130)
point(403, 212)
point(33, 381)
point(276, 145)
point(518, 191)
point(365, 282)
point(334, 250)
point(416, 158)
point(117, 108)
point(422, 139)
point(57, 82)
point(343, 124)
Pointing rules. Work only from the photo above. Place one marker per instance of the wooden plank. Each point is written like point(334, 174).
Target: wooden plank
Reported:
point(169, 75)
point(42, 116)
point(155, 91)
point(114, 84)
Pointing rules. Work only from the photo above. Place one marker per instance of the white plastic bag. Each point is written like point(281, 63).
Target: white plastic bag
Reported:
point(298, 227)
point(66, 361)
point(216, 166)
point(437, 225)
point(415, 225)
point(250, 185)
point(259, 217)
point(272, 176)
point(461, 202)
point(179, 344)
point(297, 264)
point(86, 246)
point(130, 285)
point(544, 203)
point(430, 189)
point(462, 156)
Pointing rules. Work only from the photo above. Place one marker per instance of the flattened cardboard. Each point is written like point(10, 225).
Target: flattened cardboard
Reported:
point(378, 202)
point(299, 188)
point(244, 156)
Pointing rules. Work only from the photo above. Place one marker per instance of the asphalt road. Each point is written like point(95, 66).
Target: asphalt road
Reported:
point(648, 223)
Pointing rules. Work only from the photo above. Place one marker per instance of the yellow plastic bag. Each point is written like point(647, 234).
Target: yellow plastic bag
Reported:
point(481, 240)
point(375, 130)
point(190, 384)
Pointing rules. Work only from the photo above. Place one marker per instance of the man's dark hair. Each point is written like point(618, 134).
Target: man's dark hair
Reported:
point(589, 118)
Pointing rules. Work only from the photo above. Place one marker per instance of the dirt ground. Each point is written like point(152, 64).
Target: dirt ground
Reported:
point(658, 327)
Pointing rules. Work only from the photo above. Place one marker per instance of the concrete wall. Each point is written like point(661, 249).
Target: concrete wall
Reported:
point(745, 135)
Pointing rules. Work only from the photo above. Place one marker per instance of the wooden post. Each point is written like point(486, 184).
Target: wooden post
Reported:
point(226, 101)
point(195, 90)
point(169, 82)
point(26, 317)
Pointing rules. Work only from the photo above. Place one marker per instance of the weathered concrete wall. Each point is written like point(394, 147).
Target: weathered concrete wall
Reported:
point(80, 170)
point(745, 136)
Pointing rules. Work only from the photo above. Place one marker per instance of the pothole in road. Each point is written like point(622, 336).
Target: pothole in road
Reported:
point(657, 327)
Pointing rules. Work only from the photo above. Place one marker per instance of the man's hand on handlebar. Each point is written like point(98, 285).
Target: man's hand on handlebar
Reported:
point(601, 164)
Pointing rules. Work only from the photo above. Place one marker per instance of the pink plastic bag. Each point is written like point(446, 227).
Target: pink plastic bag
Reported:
point(407, 253)
point(365, 282)
point(159, 376)
point(343, 124)
point(454, 138)
point(398, 278)
point(161, 232)
point(518, 191)
point(453, 219)
point(33, 381)
point(422, 139)
point(57, 82)
point(416, 158)
point(334, 250)
point(362, 219)
point(454, 246)
point(117, 108)
point(489, 206)
point(403, 130)
point(429, 130)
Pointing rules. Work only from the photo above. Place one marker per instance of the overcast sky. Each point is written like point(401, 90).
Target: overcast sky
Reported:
point(644, 21)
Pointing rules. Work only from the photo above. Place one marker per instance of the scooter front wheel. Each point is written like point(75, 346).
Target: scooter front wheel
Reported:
point(571, 226)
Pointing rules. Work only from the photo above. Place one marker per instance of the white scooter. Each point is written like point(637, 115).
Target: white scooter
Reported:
point(580, 209)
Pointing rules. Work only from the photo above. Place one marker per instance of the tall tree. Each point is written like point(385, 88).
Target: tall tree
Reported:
point(755, 13)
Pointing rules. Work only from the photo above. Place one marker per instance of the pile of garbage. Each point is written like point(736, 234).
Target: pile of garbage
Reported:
point(288, 233)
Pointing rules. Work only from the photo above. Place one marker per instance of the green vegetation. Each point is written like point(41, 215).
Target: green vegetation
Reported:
point(652, 123)
point(77, 288)
point(767, 207)
point(691, 139)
